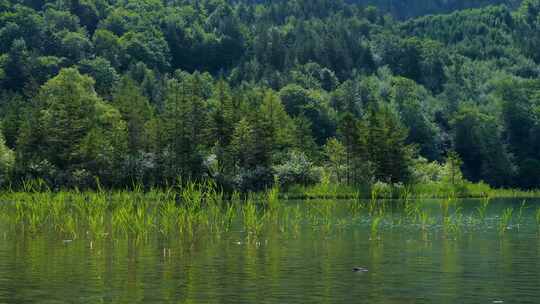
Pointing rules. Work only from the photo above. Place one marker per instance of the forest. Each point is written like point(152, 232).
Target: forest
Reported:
point(402, 9)
point(249, 93)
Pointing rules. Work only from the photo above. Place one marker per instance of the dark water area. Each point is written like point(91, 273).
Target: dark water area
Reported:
point(477, 260)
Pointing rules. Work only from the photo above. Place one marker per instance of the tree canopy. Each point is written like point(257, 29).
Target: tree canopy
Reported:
point(124, 92)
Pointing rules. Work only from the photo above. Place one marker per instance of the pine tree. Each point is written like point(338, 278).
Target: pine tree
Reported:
point(182, 123)
point(383, 139)
point(136, 112)
point(243, 145)
point(273, 129)
point(222, 125)
point(336, 154)
point(349, 136)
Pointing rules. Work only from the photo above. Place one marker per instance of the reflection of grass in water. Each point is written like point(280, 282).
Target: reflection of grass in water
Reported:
point(375, 225)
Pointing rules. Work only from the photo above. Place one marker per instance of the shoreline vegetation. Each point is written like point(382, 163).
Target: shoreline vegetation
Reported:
point(201, 209)
point(300, 179)
point(322, 190)
point(425, 191)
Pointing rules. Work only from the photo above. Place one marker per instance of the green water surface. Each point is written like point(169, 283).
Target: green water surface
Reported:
point(306, 261)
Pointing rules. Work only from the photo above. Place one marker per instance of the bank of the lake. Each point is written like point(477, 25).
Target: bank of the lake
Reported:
point(400, 191)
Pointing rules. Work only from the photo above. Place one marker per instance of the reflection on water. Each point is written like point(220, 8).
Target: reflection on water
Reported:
point(308, 260)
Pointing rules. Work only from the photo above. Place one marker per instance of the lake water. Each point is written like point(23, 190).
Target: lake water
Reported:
point(418, 260)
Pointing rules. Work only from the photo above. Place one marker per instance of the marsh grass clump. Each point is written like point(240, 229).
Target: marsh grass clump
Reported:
point(355, 207)
point(412, 210)
point(253, 219)
point(272, 197)
point(482, 209)
point(521, 210)
point(453, 222)
point(321, 214)
point(505, 219)
point(425, 220)
point(189, 208)
point(169, 215)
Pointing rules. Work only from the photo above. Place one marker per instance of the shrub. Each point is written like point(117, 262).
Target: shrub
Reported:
point(297, 169)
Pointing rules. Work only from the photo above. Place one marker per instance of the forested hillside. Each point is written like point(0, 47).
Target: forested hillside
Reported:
point(403, 9)
point(125, 92)
point(413, 8)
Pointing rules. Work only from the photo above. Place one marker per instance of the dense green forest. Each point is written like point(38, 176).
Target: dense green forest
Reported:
point(250, 92)
point(403, 9)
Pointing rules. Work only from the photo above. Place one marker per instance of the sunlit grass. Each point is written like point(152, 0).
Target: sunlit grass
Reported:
point(442, 190)
point(191, 210)
point(505, 219)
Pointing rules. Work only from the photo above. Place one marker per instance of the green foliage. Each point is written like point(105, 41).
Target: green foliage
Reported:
point(102, 72)
point(239, 91)
point(7, 160)
point(297, 170)
point(183, 121)
point(337, 157)
point(74, 131)
point(478, 140)
point(384, 140)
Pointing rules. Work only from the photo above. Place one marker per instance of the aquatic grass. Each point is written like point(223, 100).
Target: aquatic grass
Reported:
point(85, 213)
point(252, 220)
point(424, 219)
point(445, 205)
point(96, 226)
point(505, 219)
point(192, 197)
point(482, 209)
point(537, 219)
point(412, 210)
point(519, 217)
point(193, 210)
point(272, 197)
point(405, 194)
point(168, 217)
point(448, 225)
point(320, 214)
point(296, 219)
point(452, 224)
point(355, 207)
point(377, 202)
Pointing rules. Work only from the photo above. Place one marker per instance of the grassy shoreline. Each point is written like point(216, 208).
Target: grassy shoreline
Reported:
point(420, 191)
point(202, 209)
point(318, 191)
